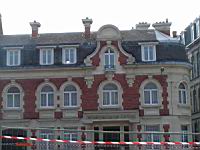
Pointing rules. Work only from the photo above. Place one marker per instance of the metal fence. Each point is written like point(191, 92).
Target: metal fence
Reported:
point(71, 139)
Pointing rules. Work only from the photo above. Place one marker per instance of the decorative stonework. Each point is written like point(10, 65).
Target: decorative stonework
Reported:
point(88, 61)
point(109, 75)
point(89, 81)
point(130, 80)
point(131, 59)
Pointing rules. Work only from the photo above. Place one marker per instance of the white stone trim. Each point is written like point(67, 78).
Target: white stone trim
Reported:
point(141, 91)
point(61, 93)
point(100, 93)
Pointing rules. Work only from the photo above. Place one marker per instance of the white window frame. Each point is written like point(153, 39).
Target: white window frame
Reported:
point(47, 101)
point(46, 144)
point(70, 97)
point(181, 93)
point(143, 52)
point(198, 27)
point(70, 134)
point(192, 32)
point(47, 61)
point(151, 93)
point(13, 99)
point(184, 136)
point(71, 50)
point(13, 58)
point(110, 92)
point(109, 54)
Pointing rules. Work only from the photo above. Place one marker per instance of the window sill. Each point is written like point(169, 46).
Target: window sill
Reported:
point(151, 105)
point(12, 109)
point(110, 107)
point(70, 108)
point(184, 105)
point(46, 108)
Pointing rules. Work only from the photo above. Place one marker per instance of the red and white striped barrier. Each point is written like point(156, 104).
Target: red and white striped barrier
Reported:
point(99, 142)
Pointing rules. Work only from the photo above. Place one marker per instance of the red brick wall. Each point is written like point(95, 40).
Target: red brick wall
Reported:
point(162, 79)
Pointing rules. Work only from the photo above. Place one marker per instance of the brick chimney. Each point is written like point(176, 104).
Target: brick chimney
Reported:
point(35, 25)
point(1, 28)
point(87, 23)
point(174, 34)
point(142, 26)
point(163, 27)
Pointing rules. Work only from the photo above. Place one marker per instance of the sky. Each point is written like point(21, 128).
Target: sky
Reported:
point(57, 16)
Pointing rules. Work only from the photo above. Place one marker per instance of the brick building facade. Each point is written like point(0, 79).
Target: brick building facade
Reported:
point(132, 80)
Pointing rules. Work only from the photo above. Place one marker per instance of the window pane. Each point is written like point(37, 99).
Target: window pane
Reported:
point(13, 90)
point(43, 100)
point(50, 100)
point(74, 99)
point(66, 99)
point(17, 100)
point(180, 96)
point(150, 86)
point(112, 60)
point(154, 97)
point(150, 53)
point(49, 57)
point(106, 98)
point(110, 86)
point(67, 55)
point(184, 97)
point(16, 53)
point(181, 86)
point(11, 57)
point(70, 88)
point(145, 53)
point(114, 98)
point(74, 137)
point(147, 97)
point(106, 61)
point(44, 56)
point(47, 89)
point(9, 100)
point(72, 55)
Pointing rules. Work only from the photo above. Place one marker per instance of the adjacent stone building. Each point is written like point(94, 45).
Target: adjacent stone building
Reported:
point(191, 38)
point(131, 80)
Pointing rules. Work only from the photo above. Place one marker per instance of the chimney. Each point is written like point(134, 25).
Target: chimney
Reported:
point(163, 27)
point(142, 26)
point(1, 28)
point(87, 23)
point(174, 34)
point(35, 25)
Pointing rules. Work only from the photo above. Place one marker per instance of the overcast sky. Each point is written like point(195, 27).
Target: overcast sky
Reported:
point(65, 15)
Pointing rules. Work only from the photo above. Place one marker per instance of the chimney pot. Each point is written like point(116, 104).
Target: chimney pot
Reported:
point(35, 25)
point(174, 33)
point(163, 27)
point(142, 26)
point(87, 23)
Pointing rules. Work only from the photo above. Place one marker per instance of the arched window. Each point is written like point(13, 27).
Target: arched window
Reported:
point(110, 95)
point(13, 98)
point(47, 96)
point(109, 59)
point(182, 94)
point(150, 94)
point(70, 96)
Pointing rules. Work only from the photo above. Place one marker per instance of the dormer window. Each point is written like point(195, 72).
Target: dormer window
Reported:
point(192, 32)
point(148, 52)
point(46, 56)
point(109, 59)
point(198, 28)
point(13, 57)
point(69, 56)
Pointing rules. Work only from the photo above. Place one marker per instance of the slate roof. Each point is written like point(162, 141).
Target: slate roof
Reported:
point(167, 50)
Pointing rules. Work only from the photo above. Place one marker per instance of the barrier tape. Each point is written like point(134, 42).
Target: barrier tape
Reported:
point(98, 142)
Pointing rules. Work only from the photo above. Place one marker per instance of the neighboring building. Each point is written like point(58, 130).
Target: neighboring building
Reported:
point(191, 39)
point(133, 80)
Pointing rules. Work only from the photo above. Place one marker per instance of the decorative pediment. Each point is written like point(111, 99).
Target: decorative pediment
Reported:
point(108, 32)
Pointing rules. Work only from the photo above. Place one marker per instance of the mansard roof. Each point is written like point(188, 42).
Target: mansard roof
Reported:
point(168, 49)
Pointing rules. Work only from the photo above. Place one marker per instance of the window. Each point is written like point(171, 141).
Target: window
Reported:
point(148, 53)
point(192, 32)
point(45, 145)
point(182, 94)
point(197, 28)
point(13, 98)
point(152, 137)
point(109, 59)
point(46, 57)
point(72, 136)
point(150, 94)
point(47, 97)
point(70, 96)
point(69, 55)
point(198, 63)
point(13, 57)
point(110, 95)
point(184, 136)
point(195, 105)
